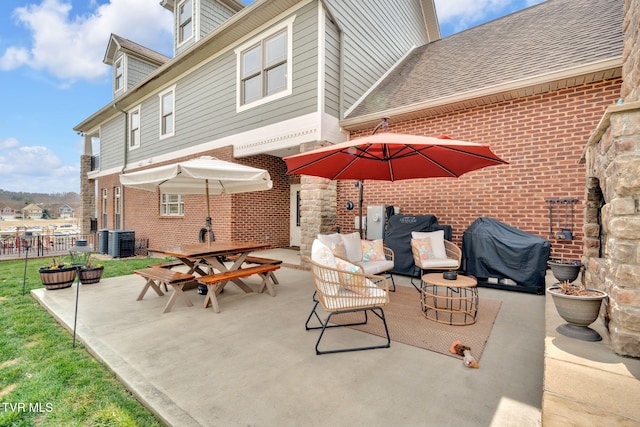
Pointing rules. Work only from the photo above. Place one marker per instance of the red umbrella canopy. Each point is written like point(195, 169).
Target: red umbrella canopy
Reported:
point(391, 157)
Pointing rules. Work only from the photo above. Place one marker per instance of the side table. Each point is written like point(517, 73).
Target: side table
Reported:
point(454, 302)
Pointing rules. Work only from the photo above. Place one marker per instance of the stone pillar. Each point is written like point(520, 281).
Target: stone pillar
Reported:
point(612, 213)
point(87, 195)
point(317, 206)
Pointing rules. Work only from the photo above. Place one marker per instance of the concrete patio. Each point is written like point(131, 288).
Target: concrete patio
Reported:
point(254, 362)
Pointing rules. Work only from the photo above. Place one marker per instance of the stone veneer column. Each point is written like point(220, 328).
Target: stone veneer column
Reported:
point(317, 206)
point(612, 213)
point(87, 195)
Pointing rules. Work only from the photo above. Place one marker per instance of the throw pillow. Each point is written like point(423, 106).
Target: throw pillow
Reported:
point(423, 248)
point(321, 254)
point(335, 243)
point(352, 245)
point(352, 282)
point(372, 250)
point(437, 241)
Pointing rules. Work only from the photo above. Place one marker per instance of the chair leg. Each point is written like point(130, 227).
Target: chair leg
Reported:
point(322, 324)
point(393, 282)
point(342, 350)
point(420, 272)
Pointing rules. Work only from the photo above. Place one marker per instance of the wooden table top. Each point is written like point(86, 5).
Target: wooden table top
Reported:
point(436, 279)
point(216, 248)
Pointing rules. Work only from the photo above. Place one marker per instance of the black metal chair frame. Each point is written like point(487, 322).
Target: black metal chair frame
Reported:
point(324, 324)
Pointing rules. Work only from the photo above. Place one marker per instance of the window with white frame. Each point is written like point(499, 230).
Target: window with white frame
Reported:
point(185, 20)
point(118, 75)
point(134, 128)
point(167, 116)
point(264, 67)
point(104, 207)
point(171, 205)
point(117, 207)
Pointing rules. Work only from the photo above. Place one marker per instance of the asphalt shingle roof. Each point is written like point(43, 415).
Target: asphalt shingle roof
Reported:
point(552, 36)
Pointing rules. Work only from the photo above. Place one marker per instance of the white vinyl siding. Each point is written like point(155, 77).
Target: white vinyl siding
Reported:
point(171, 205)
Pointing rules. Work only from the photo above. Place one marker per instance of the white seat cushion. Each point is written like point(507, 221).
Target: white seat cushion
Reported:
point(347, 299)
point(439, 263)
point(376, 267)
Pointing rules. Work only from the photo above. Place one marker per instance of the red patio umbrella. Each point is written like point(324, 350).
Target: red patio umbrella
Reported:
point(390, 157)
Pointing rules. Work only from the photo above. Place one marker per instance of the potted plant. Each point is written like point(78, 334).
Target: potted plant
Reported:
point(565, 271)
point(579, 307)
point(90, 273)
point(57, 275)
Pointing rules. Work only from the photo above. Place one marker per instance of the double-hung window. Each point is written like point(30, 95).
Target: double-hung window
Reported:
point(167, 109)
point(104, 207)
point(118, 76)
point(264, 67)
point(134, 128)
point(171, 205)
point(185, 20)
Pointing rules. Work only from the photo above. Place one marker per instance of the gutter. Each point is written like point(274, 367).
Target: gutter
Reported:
point(125, 157)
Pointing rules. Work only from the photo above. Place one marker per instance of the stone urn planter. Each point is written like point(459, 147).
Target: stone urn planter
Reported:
point(565, 271)
point(579, 307)
point(57, 277)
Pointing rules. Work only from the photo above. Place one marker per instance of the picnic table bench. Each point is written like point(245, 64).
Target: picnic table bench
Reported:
point(261, 261)
point(215, 282)
point(157, 277)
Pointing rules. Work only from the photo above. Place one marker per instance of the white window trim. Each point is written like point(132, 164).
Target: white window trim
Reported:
point(193, 22)
point(134, 110)
point(180, 203)
point(123, 64)
point(286, 24)
point(160, 95)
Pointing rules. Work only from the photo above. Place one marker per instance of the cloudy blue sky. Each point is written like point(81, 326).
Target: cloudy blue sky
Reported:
point(52, 75)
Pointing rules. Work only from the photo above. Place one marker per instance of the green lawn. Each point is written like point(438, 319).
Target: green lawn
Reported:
point(44, 380)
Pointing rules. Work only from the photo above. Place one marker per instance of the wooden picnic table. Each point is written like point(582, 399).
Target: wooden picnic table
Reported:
point(211, 256)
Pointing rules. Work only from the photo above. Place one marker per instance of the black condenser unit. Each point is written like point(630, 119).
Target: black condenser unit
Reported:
point(121, 243)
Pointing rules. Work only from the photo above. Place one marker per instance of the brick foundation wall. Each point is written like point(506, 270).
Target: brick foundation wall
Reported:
point(541, 136)
point(258, 216)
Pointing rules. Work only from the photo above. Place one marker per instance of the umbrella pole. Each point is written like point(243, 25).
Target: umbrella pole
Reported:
point(361, 200)
point(206, 190)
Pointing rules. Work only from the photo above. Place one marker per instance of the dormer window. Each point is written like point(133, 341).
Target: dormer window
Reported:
point(185, 20)
point(118, 77)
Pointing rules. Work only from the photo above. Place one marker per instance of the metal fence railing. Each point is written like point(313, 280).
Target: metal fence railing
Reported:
point(15, 246)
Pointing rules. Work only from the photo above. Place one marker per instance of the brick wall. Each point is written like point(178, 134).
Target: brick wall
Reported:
point(541, 136)
point(258, 216)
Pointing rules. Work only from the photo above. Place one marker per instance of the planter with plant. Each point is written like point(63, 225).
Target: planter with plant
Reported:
point(579, 307)
point(57, 275)
point(89, 272)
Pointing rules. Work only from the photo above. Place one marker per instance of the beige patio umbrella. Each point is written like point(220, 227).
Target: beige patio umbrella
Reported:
point(204, 175)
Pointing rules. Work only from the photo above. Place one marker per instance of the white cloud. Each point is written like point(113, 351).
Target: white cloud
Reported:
point(463, 14)
point(71, 47)
point(35, 169)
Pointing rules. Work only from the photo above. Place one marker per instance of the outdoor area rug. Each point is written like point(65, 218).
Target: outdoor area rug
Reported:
point(408, 325)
